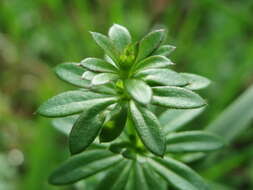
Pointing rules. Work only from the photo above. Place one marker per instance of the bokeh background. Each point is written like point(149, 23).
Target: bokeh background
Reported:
point(214, 38)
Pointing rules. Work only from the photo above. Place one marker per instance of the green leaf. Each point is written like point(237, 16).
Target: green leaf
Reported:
point(114, 124)
point(148, 128)
point(150, 43)
point(71, 102)
point(88, 75)
point(71, 73)
point(196, 82)
point(65, 124)
point(177, 174)
point(138, 90)
point(174, 119)
point(107, 88)
point(83, 165)
point(165, 77)
point(98, 65)
point(164, 50)
point(104, 78)
point(176, 97)
point(117, 178)
point(107, 45)
point(87, 126)
point(235, 118)
point(154, 181)
point(120, 36)
point(152, 62)
point(193, 141)
point(139, 177)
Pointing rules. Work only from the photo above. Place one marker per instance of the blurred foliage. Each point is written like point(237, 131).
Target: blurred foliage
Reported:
point(213, 39)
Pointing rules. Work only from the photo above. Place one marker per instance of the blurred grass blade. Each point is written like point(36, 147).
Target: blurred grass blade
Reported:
point(235, 119)
point(175, 119)
point(193, 141)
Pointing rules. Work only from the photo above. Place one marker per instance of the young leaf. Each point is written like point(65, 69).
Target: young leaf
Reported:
point(174, 119)
point(107, 45)
point(176, 97)
point(65, 124)
point(98, 65)
point(87, 127)
point(164, 50)
point(71, 73)
point(120, 36)
point(165, 77)
point(117, 178)
point(139, 90)
point(148, 128)
point(114, 125)
point(88, 75)
point(196, 82)
point(150, 43)
point(177, 174)
point(193, 141)
point(83, 165)
point(71, 102)
point(152, 62)
point(103, 78)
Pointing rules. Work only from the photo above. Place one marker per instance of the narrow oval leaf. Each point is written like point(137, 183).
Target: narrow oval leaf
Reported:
point(87, 126)
point(174, 119)
point(150, 43)
point(154, 181)
point(152, 62)
point(177, 174)
point(83, 165)
point(98, 65)
point(196, 82)
point(107, 88)
point(164, 50)
point(148, 128)
point(120, 36)
point(176, 97)
point(139, 177)
point(114, 125)
point(71, 102)
point(103, 78)
point(107, 45)
point(117, 178)
point(193, 141)
point(88, 75)
point(139, 90)
point(65, 124)
point(164, 77)
point(71, 73)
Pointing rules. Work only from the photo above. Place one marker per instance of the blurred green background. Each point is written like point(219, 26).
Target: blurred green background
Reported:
point(214, 38)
